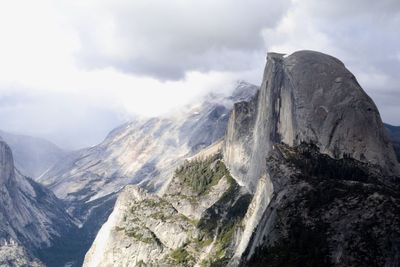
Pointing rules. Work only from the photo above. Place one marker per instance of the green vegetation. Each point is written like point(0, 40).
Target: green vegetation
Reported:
point(181, 256)
point(150, 202)
point(201, 175)
point(159, 216)
point(202, 243)
point(191, 221)
point(138, 234)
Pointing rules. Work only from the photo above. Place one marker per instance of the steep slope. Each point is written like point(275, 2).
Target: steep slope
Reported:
point(196, 222)
point(143, 152)
point(326, 212)
point(33, 156)
point(311, 97)
point(14, 255)
point(394, 135)
point(313, 182)
point(138, 152)
point(305, 97)
point(30, 215)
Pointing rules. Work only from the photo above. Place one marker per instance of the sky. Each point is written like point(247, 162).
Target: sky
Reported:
point(70, 71)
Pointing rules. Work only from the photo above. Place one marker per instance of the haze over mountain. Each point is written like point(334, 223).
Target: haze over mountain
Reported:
point(73, 71)
point(143, 152)
point(309, 150)
point(34, 223)
point(33, 156)
point(199, 133)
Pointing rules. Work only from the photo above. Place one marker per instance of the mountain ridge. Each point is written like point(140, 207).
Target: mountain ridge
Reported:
point(309, 108)
point(33, 156)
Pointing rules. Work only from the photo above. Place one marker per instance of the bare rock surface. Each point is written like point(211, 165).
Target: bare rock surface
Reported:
point(30, 214)
point(190, 225)
point(311, 97)
point(14, 255)
point(326, 212)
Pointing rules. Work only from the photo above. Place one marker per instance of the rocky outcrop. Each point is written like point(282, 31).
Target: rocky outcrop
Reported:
point(311, 97)
point(305, 97)
point(14, 255)
point(308, 177)
point(326, 212)
point(197, 221)
point(30, 215)
point(143, 152)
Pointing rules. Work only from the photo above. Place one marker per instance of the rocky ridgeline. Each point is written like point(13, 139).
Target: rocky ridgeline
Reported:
point(196, 222)
point(33, 222)
point(326, 212)
point(308, 178)
point(306, 97)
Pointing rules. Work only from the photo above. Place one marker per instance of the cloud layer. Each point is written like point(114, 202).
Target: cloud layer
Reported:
point(72, 70)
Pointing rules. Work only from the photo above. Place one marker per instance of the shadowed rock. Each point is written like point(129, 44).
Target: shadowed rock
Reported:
point(311, 97)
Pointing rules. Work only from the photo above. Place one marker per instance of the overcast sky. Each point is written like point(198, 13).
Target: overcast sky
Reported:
point(70, 71)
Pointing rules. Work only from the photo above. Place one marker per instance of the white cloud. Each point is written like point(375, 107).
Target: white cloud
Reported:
point(78, 68)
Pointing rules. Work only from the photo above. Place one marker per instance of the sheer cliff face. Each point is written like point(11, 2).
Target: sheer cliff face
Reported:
point(311, 97)
point(326, 212)
point(30, 215)
point(138, 152)
point(197, 222)
point(298, 156)
point(32, 156)
point(6, 165)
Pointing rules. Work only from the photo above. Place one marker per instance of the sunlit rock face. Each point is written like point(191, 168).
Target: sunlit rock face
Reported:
point(140, 151)
point(144, 152)
point(194, 223)
point(306, 97)
point(307, 152)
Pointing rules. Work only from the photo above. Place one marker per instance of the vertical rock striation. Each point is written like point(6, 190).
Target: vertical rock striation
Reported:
point(307, 168)
point(306, 97)
point(31, 216)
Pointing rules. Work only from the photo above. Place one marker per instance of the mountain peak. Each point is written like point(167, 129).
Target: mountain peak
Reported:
point(309, 97)
point(6, 163)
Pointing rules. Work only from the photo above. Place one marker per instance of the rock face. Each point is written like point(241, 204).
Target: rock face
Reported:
point(326, 212)
point(32, 156)
point(307, 177)
point(142, 152)
point(306, 97)
point(30, 215)
point(196, 222)
point(394, 135)
point(13, 255)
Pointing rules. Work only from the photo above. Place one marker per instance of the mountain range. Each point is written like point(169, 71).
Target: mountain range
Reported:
point(305, 168)
point(300, 171)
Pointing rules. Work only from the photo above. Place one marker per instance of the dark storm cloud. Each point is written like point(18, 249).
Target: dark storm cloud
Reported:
point(69, 69)
point(165, 39)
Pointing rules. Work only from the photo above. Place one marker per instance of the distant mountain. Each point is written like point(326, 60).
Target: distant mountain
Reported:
point(305, 176)
point(394, 134)
point(33, 156)
point(33, 221)
point(143, 152)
